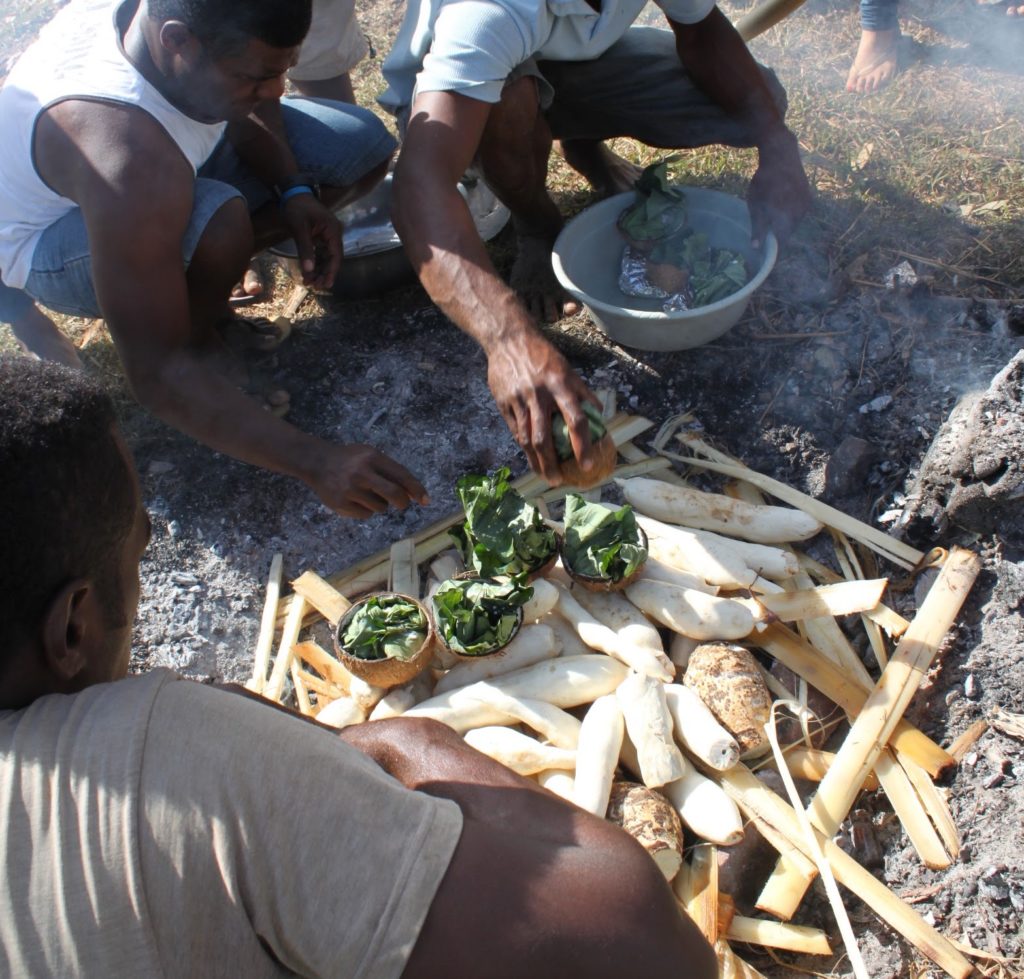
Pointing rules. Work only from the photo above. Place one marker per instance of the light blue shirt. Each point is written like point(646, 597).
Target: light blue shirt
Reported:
point(471, 46)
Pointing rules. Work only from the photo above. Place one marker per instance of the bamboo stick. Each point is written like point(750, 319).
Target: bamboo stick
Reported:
point(322, 596)
point(301, 693)
point(847, 559)
point(289, 636)
point(845, 598)
point(325, 664)
point(756, 799)
point(702, 905)
point(265, 639)
point(403, 574)
point(777, 934)
point(935, 805)
point(811, 765)
point(959, 748)
point(324, 689)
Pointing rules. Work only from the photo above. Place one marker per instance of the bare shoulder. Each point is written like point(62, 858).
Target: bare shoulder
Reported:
point(88, 149)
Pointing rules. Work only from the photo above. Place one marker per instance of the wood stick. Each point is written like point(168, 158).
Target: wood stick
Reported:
point(301, 693)
point(325, 664)
point(702, 905)
point(848, 561)
point(839, 599)
point(324, 689)
point(404, 575)
point(776, 934)
point(322, 596)
point(892, 622)
point(289, 636)
point(964, 742)
point(935, 805)
point(756, 799)
point(811, 765)
point(265, 639)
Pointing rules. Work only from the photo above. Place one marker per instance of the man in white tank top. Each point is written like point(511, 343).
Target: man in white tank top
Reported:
point(144, 157)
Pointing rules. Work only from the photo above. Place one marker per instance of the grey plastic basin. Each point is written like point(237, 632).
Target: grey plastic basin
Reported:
point(587, 257)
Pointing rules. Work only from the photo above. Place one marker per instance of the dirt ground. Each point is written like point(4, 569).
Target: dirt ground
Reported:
point(903, 406)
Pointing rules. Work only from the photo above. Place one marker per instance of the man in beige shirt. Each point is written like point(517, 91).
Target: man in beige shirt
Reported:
point(158, 827)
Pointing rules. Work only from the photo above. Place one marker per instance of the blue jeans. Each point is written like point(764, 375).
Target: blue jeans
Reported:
point(335, 143)
point(13, 304)
point(879, 15)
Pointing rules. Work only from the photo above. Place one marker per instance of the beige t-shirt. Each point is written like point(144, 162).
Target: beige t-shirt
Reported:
point(158, 827)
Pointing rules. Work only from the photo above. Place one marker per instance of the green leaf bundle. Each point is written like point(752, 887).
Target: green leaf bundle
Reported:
point(385, 627)
point(601, 543)
point(476, 616)
point(560, 430)
point(502, 534)
point(660, 208)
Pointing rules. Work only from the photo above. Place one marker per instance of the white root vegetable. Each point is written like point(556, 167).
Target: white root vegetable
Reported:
point(763, 559)
point(447, 565)
point(366, 695)
point(713, 511)
point(659, 571)
point(715, 563)
point(518, 751)
point(598, 636)
point(705, 808)
point(560, 782)
point(698, 730)
point(544, 599)
point(564, 682)
point(555, 725)
point(532, 644)
point(693, 613)
point(400, 699)
point(652, 821)
point(679, 649)
point(621, 616)
point(567, 636)
point(597, 754)
point(341, 713)
point(650, 728)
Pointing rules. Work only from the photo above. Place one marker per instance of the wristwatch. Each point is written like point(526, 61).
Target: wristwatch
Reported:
point(296, 183)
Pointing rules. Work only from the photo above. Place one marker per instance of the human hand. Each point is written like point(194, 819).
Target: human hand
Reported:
point(358, 481)
point(779, 195)
point(317, 235)
point(530, 381)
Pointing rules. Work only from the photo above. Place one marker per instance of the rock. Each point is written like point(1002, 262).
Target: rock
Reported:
point(971, 691)
point(992, 885)
point(880, 403)
point(849, 466)
point(159, 468)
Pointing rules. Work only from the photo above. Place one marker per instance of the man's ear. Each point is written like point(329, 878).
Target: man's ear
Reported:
point(68, 629)
point(177, 39)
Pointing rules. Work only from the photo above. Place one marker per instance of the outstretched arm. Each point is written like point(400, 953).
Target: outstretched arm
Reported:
point(535, 887)
point(722, 67)
point(529, 378)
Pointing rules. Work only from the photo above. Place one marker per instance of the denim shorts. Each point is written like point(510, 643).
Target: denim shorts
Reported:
point(334, 142)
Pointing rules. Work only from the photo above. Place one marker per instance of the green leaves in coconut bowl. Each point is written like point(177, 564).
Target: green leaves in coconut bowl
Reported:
point(502, 534)
point(479, 616)
point(602, 549)
point(385, 639)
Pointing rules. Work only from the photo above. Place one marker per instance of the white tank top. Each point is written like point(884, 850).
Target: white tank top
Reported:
point(77, 55)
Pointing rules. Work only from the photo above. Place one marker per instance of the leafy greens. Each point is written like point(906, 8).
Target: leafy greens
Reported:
point(385, 627)
point(560, 430)
point(601, 543)
point(660, 208)
point(502, 534)
point(476, 616)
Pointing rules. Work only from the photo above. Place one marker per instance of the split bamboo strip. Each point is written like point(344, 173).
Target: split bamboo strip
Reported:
point(726, 912)
point(848, 561)
point(804, 660)
point(845, 598)
point(756, 799)
point(301, 693)
point(702, 905)
point(959, 748)
point(289, 636)
point(898, 683)
point(324, 690)
point(892, 622)
point(811, 765)
point(322, 596)
point(935, 805)
point(731, 966)
point(890, 548)
point(777, 934)
point(403, 574)
point(265, 640)
point(788, 853)
point(325, 664)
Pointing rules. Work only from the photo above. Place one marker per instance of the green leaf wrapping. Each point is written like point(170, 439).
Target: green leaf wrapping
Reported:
point(502, 534)
point(385, 627)
point(560, 430)
point(601, 543)
point(660, 208)
point(714, 272)
point(476, 616)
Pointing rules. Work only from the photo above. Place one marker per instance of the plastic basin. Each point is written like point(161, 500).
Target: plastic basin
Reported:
point(587, 256)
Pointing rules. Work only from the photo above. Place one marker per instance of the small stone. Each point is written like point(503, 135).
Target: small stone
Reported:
point(184, 578)
point(849, 465)
point(159, 468)
point(971, 759)
point(174, 528)
point(987, 465)
point(971, 691)
point(993, 886)
point(952, 697)
point(880, 403)
point(994, 781)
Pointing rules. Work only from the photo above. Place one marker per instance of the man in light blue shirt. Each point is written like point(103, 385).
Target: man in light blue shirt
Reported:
point(494, 82)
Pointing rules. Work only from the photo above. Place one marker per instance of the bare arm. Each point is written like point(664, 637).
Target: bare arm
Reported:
point(109, 159)
point(722, 66)
point(529, 378)
point(536, 887)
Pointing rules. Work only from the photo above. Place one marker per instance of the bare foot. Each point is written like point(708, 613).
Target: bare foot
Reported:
point(534, 280)
point(1015, 11)
point(876, 62)
point(250, 288)
point(606, 171)
point(39, 337)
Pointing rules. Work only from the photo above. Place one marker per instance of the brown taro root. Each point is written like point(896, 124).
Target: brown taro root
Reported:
point(664, 275)
point(650, 819)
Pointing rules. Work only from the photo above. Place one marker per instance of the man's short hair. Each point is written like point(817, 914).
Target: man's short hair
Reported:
point(67, 501)
point(226, 25)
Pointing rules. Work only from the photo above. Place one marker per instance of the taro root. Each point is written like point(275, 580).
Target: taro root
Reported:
point(650, 819)
point(601, 549)
point(479, 616)
point(385, 639)
point(503, 534)
point(667, 277)
point(727, 679)
point(604, 450)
